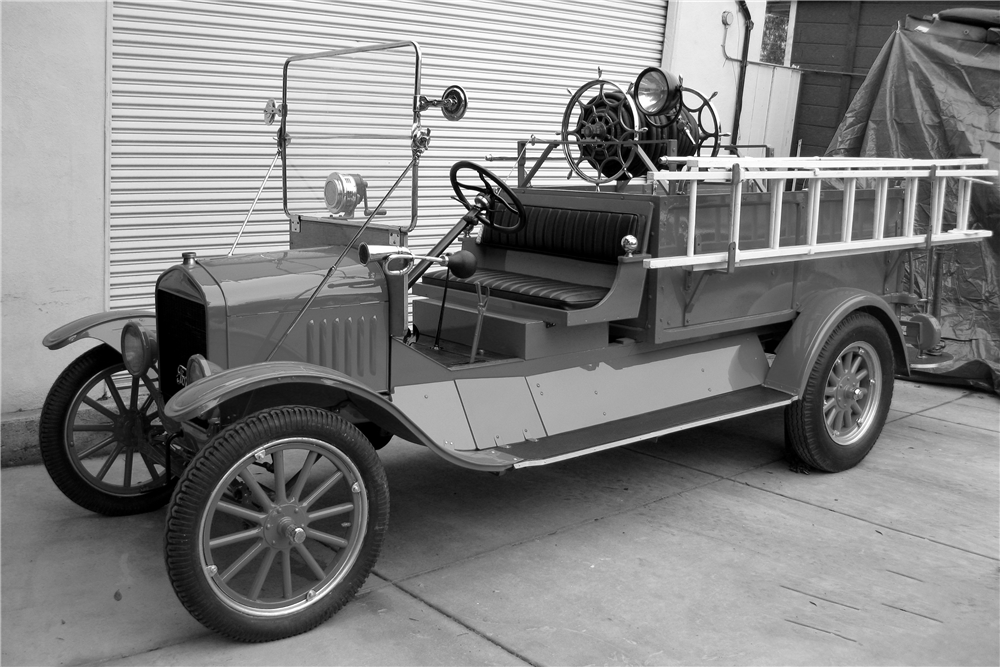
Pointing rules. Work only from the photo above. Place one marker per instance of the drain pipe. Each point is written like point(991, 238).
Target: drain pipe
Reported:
point(747, 27)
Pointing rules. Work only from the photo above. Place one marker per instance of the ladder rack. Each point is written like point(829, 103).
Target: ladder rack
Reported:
point(776, 172)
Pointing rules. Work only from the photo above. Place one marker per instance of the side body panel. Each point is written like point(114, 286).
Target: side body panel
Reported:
point(682, 304)
point(496, 406)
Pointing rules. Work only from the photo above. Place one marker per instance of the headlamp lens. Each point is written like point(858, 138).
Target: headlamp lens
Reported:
point(137, 349)
point(652, 91)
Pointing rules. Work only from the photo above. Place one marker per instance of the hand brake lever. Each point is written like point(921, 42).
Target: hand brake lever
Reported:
point(481, 307)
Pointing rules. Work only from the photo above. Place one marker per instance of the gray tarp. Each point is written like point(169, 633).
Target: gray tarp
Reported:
point(929, 96)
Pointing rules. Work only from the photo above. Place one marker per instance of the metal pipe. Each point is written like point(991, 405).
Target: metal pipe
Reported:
point(254, 204)
point(747, 27)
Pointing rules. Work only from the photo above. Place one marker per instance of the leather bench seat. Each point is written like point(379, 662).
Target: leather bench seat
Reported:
point(583, 235)
point(525, 289)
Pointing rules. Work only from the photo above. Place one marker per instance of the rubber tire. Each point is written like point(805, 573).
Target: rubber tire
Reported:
point(805, 430)
point(54, 449)
point(206, 470)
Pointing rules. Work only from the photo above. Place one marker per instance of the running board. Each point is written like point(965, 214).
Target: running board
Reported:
point(571, 444)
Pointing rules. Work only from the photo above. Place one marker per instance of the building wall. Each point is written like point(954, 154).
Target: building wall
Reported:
point(844, 38)
point(53, 184)
point(692, 48)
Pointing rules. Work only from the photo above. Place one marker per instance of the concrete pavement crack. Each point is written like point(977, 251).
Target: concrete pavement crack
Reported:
point(864, 520)
point(452, 617)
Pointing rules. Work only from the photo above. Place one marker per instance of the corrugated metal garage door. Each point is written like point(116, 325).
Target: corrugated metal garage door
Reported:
point(189, 81)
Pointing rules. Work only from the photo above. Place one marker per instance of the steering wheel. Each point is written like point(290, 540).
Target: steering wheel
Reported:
point(488, 201)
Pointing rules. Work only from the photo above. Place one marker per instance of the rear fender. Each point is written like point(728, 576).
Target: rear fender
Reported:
point(819, 315)
point(277, 383)
point(105, 327)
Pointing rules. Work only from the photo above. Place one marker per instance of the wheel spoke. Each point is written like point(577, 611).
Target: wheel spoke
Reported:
point(327, 538)
point(127, 478)
point(101, 445)
point(258, 493)
point(303, 474)
point(233, 538)
point(833, 418)
point(113, 390)
point(861, 375)
point(258, 582)
point(321, 489)
point(310, 561)
point(145, 404)
point(331, 511)
point(110, 460)
point(286, 574)
point(845, 420)
point(240, 511)
point(100, 408)
point(149, 466)
point(93, 428)
point(858, 359)
point(242, 561)
point(831, 390)
point(133, 400)
point(278, 461)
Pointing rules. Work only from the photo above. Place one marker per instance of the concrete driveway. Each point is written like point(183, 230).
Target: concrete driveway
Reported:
point(699, 548)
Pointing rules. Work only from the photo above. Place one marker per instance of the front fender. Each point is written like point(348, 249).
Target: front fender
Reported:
point(211, 392)
point(819, 315)
point(105, 327)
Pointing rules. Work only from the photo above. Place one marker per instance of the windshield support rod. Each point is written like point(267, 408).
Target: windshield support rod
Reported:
point(343, 254)
point(254, 204)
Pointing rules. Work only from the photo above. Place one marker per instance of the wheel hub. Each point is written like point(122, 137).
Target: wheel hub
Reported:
point(285, 526)
point(129, 428)
point(848, 391)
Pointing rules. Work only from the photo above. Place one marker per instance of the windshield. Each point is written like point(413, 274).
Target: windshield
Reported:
point(348, 120)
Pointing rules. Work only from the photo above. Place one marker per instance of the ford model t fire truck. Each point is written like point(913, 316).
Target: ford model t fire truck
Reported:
point(660, 287)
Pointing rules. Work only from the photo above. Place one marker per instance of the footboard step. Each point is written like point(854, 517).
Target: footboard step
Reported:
point(571, 444)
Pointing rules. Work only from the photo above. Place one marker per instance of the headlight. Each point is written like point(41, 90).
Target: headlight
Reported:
point(138, 348)
point(343, 193)
point(199, 367)
point(656, 92)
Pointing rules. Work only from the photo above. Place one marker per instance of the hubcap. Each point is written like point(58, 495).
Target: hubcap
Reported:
point(852, 393)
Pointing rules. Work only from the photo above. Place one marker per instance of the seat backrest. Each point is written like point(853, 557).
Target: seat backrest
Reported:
point(593, 236)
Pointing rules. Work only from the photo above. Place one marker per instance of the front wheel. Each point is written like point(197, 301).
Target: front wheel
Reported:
point(101, 439)
point(276, 524)
point(843, 408)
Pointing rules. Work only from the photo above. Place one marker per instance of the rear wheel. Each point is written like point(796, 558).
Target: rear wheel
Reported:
point(843, 408)
point(100, 437)
point(276, 524)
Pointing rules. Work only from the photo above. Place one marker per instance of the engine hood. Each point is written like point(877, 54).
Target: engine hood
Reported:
point(278, 282)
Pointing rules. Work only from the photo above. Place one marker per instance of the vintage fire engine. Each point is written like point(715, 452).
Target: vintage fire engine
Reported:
point(661, 288)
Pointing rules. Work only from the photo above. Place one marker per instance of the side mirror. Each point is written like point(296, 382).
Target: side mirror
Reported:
point(454, 103)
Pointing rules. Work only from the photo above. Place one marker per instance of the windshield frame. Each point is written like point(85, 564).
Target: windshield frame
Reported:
point(283, 140)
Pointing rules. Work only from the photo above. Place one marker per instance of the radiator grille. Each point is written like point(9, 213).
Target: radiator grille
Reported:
point(181, 332)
